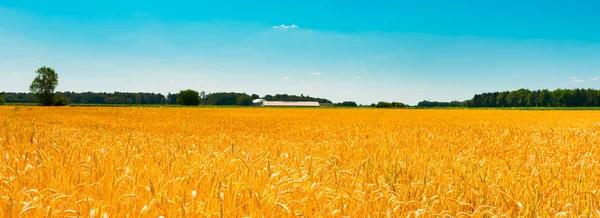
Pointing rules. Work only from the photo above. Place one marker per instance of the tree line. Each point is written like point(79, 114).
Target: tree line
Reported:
point(46, 80)
point(285, 97)
point(527, 98)
point(93, 98)
point(383, 104)
point(441, 104)
point(192, 97)
point(220, 98)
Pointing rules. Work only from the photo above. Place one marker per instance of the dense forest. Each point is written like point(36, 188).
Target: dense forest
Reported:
point(227, 98)
point(221, 98)
point(93, 98)
point(527, 98)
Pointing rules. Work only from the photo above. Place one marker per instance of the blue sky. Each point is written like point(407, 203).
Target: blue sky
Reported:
point(341, 50)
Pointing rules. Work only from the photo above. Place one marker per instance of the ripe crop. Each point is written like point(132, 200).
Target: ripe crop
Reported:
point(236, 162)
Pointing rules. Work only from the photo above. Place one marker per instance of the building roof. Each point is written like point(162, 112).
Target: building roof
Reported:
point(291, 103)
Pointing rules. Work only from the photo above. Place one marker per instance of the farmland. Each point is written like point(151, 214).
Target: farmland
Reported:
point(273, 162)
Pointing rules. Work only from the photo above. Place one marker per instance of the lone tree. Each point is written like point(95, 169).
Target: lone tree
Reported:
point(44, 84)
point(188, 97)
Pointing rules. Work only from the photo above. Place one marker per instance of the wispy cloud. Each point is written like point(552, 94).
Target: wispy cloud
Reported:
point(594, 79)
point(357, 77)
point(315, 74)
point(285, 27)
point(285, 78)
point(172, 81)
point(575, 80)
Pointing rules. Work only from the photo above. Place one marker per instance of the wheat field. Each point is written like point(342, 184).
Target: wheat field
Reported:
point(266, 162)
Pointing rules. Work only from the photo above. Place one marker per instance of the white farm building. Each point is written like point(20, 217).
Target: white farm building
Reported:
point(265, 103)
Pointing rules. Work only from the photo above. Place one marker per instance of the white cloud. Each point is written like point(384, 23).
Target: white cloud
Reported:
point(594, 79)
point(357, 77)
point(285, 78)
point(172, 81)
point(575, 80)
point(315, 74)
point(285, 27)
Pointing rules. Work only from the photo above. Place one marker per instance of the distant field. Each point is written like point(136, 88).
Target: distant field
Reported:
point(235, 162)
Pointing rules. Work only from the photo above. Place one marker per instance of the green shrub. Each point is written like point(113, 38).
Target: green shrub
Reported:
point(398, 104)
point(383, 104)
point(61, 101)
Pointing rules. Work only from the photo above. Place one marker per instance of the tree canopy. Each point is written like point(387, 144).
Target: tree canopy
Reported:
point(44, 84)
point(383, 104)
point(224, 98)
point(244, 100)
point(285, 97)
point(188, 97)
point(440, 104)
point(346, 104)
